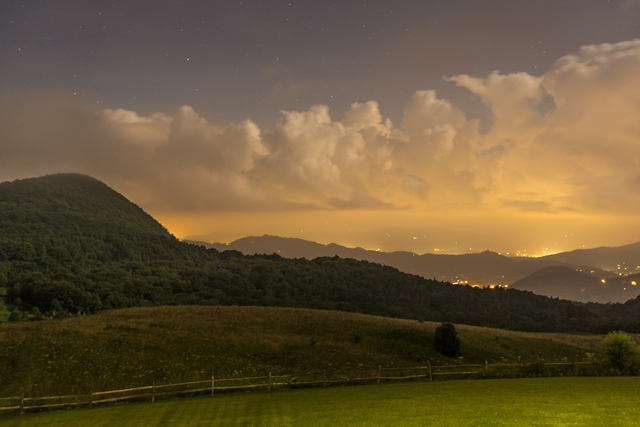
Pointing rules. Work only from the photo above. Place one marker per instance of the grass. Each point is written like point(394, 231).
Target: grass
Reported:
point(136, 347)
point(584, 401)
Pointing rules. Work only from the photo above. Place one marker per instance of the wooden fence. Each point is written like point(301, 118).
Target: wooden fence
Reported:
point(322, 378)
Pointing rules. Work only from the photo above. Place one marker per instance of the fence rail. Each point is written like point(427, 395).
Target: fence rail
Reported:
point(24, 404)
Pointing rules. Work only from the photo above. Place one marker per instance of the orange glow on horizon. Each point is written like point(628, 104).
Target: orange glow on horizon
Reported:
point(408, 230)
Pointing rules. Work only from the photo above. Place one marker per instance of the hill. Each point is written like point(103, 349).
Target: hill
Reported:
point(621, 259)
point(71, 219)
point(71, 246)
point(135, 347)
point(568, 283)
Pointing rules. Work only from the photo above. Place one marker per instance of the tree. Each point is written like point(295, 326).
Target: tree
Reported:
point(15, 316)
point(621, 352)
point(446, 341)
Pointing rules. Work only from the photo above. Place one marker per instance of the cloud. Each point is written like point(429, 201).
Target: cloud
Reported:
point(194, 142)
point(431, 123)
point(582, 155)
point(151, 131)
point(360, 201)
point(627, 5)
point(510, 97)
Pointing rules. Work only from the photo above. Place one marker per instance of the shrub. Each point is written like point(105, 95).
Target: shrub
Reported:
point(15, 316)
point(621, 353)
point(446, 341)
point(535, 369)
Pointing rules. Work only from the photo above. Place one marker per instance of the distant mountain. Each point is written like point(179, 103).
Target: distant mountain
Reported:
point(621, 259)
point(486, 268)
point(568, 283)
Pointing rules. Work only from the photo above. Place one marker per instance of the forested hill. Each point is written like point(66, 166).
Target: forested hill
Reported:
point(76, 219)
point(70, 245)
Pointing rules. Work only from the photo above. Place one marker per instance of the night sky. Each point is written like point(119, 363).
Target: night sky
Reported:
point(406, 125)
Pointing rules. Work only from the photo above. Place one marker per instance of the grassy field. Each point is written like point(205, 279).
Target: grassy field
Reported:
point(584, 401)
point(136, 347)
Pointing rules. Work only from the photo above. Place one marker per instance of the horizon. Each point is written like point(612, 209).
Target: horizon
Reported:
point(517, 254)
point(431, 128)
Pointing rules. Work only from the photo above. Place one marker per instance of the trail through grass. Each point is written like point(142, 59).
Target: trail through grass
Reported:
point(584, 401)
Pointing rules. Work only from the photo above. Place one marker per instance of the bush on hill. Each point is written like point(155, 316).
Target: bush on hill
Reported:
point(446, 341)
point(621, 353)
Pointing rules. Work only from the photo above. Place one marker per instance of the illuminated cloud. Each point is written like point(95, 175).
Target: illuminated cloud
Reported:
point(151, 131)
point(431, 125)
point(566, 141)
point(583, 153)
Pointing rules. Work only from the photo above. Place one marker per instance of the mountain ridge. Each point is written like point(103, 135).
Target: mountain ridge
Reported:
point(484, 269)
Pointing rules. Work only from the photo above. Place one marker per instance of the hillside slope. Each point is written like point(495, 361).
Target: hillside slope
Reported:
point(569, 283)
point(135, 347)
point(72, 218)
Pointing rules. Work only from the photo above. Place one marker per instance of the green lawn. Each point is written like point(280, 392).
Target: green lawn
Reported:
point(597, 401)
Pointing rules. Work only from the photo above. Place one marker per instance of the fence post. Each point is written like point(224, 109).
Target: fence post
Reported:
point(22, 405)
point(324, 378)
point(269, 381)
point(486, 365)
point(90, 399)
point(430, 376)
point(379, 369)
point(153, 392)
point(212, 385)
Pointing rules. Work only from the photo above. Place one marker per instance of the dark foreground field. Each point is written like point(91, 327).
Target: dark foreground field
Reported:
point(137, 347)
point(583, 401)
